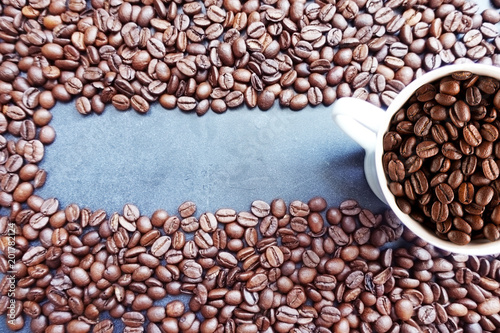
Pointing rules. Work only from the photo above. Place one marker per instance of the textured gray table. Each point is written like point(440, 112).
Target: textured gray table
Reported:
point(163, 158)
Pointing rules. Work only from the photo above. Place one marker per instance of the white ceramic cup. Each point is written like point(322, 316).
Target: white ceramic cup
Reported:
point(366, 124)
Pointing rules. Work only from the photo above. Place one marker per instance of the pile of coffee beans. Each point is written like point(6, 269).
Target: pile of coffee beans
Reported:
point(220, 54)
point(301, 267)
point(442, 157)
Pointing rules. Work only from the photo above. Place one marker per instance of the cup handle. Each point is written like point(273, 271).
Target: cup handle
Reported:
point(358, 119)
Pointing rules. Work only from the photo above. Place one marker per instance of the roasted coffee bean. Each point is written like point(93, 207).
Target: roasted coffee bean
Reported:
point(186, 103)
point(472, 135)
point(427, 149)
point(274, 256)
point(392, 140)
point(422, 126)
point(265, 100)
point(489, 132)
point(139, 104)
point(444, 193)
point(490, 169)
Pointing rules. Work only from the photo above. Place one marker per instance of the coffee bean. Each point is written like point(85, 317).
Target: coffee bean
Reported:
point(298, 102)
point(444, 193)
point(260, 208)
point(234, 99)
point(187, 209)
point(427, 149)
point(484, 195)
point(490, 169)
point(274, 256)
point(160, 246)
point(422, 126)
point(472, 135)
point(139, 104)
point(186, 103)
point(121, 102)
point(257, 283)
point(265, 100)
point(189, 224)
point(227, 260)
point(458, 237)
point(247, 219)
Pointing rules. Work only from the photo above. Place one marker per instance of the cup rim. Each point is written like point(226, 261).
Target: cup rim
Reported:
point(475, 247)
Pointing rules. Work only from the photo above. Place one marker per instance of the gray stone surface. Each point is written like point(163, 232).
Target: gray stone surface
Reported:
point(163, 158)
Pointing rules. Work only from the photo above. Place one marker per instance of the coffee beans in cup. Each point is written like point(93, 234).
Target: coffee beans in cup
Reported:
point(442, 155)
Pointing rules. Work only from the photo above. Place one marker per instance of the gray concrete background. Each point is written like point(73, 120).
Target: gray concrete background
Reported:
point(163, 158)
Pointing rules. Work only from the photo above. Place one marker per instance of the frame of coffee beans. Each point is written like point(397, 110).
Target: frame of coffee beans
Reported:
point(297, 267)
